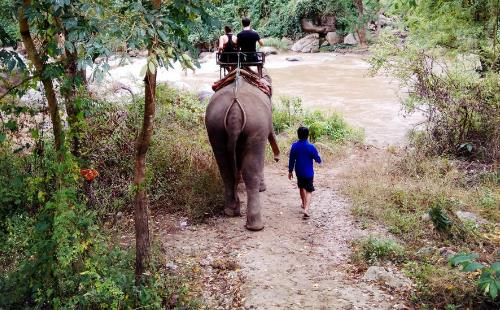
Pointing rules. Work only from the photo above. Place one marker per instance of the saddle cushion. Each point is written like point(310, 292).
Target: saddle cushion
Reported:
point(250, 77)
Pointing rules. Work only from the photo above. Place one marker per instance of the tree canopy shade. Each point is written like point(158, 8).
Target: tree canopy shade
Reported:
point(63, 38)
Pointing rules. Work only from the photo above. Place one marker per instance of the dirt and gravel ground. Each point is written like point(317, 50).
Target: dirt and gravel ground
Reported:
point(291, 264)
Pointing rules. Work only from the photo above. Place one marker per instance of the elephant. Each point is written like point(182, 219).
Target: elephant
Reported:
point(238, 120)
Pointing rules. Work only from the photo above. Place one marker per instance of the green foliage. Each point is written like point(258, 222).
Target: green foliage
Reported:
point(277, 43)
point(182, 173)
point(288, 114)
point(438, 286)
point(439, 218)
point(280, 18)
point(489, 278)
point(372, 250)
point(13, 183)
point(164, 32)
point(449, 63)
point(9, 33)
point(53, 253)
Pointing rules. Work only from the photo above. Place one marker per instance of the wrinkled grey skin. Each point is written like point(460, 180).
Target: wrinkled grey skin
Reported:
point(241, 151)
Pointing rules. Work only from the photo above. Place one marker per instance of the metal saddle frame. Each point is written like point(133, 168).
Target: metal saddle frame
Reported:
point(226, 67)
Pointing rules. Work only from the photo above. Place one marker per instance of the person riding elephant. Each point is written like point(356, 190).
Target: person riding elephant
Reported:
point(247, 40)
point(239, 124)
point(227, 46)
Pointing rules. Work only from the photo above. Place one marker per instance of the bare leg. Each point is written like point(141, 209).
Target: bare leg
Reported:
point(302, 196)
point(307, 202)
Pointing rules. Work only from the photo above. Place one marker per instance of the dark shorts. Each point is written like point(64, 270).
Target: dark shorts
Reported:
point(306, 183)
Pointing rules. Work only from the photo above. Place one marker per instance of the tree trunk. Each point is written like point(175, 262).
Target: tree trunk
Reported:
point(361, 27)
point(141, 207)
point(70, 91)
point(142, 243)
point(50, 94)
point(379, 12)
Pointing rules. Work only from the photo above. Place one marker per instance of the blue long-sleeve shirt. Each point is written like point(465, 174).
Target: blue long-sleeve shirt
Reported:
point(302, 155)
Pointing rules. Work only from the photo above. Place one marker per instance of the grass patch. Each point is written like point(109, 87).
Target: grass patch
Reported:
point(277, 43)
point(373, 250)
point(418, 198)
point(181, 171)
point(288, 115)
point(438, 286)
point(328, 131)
point(402, 192)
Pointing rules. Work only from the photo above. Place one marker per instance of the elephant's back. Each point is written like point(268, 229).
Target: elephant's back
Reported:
point(256, 104)
point(219, 102)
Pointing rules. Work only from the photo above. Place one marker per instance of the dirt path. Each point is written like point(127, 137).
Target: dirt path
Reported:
point(291, 264)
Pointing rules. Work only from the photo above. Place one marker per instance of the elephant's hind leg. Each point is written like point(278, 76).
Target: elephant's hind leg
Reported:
point(262, 184)
point(252, 168)
point(232, 203)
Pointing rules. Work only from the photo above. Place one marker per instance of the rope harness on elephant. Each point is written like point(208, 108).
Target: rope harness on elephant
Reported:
point(236, 100)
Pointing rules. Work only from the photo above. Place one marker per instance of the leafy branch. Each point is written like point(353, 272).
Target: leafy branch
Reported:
point(489, 279)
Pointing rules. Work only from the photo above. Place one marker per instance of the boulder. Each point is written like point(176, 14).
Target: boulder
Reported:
point(384, 21)
point(350, 39)
point(308, 44)
point(206, 57)
point(204, 95)
point(325, 25)
point(334, 38)
point(391, 278)
point(447, 252)
point(426, 251)
point(269, 50)
point(469, 62)
point(425, 217)
point(133, 52)
point(465, 216)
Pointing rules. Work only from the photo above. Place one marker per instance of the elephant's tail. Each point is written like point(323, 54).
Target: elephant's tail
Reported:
point(234, 123)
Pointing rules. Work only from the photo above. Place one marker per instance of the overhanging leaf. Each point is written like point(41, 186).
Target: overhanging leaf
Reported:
point(473, 266)
point(462, 258)
point(151, 67)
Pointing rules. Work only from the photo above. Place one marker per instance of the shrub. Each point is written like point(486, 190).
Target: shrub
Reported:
point(372, 250)
point(452, 77)
point(182, 172)
point(13, 184)
point(277, 43)
point(288, 115)
point(437, 286)
point(440, 218)
point(489, 278)
point(53, 254)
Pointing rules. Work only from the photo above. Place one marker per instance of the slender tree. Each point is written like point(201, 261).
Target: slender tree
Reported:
point(167, 27)
point(361, 27)
point(40, 66)
point(142, 242)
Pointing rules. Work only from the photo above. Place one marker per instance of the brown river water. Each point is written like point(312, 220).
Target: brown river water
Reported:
point(325, 81)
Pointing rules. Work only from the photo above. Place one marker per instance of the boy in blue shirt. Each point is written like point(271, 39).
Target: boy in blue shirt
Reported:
point(302, 155)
